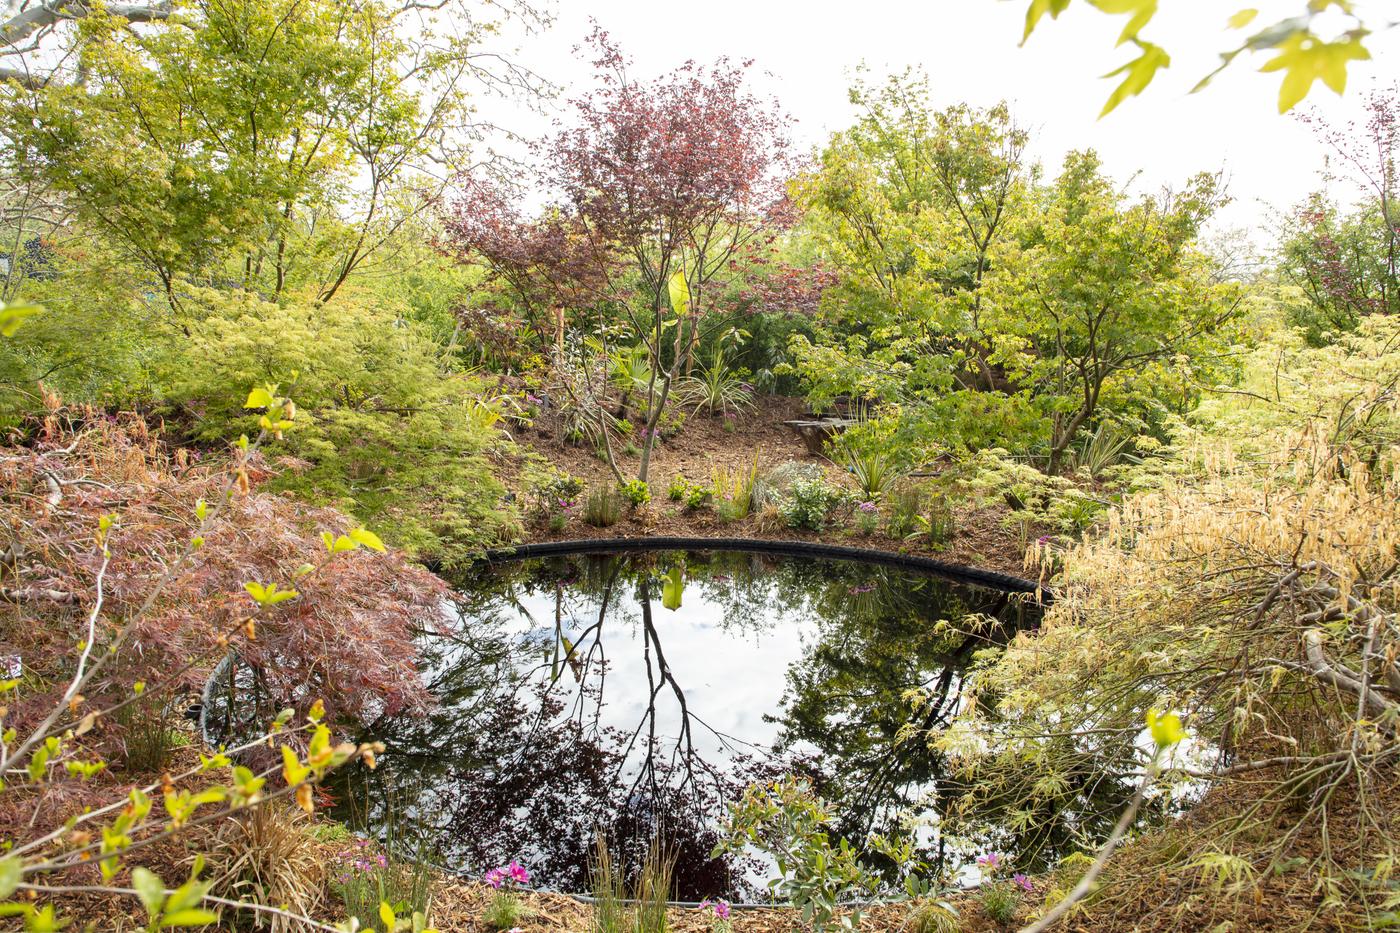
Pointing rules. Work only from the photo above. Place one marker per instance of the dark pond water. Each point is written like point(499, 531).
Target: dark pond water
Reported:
point(576, 699)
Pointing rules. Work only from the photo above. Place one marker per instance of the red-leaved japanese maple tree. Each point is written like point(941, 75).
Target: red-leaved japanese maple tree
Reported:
point(668, 190)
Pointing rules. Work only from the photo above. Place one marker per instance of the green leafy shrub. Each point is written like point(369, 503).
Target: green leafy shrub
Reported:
point(548, 491)
point(770, 488)
point(636, 493)
point(788, 823)
point(393, 434)
point(809, 503)
point(603, 507)
point(671, 424)
point(697, 497)
point(693, 495)
point(1076, 512)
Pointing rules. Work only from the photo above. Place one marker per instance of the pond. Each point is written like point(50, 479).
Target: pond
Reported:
point(637, 694)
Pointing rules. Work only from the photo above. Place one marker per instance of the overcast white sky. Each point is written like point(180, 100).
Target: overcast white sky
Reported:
point(804, 51)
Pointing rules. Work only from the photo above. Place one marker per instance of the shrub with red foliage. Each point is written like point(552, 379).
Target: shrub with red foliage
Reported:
point(788, 290)
point(346, 640)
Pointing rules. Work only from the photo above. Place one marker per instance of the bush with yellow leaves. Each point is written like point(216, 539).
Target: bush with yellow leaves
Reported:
point(1255, 590)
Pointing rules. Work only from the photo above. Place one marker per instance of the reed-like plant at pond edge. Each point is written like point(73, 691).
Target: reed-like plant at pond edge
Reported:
point(643, 909)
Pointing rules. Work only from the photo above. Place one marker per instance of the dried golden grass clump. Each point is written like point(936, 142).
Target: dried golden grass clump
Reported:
point(1256, 591)
point(268, 856)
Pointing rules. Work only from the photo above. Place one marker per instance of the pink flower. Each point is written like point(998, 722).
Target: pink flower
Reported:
point(990, 861)
point(1023, 881)
point(721, 908)
point(514, 874)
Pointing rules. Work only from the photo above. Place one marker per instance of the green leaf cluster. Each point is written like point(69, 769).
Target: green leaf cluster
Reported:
point(388, 429)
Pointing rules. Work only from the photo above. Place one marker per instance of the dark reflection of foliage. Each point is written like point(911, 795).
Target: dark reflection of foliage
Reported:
point(517, 760)
point(503, 789)
point(847, 701)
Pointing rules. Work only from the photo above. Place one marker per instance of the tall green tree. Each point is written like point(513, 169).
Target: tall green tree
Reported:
point(269, 146)
point(1104, 291)
point(910, 206)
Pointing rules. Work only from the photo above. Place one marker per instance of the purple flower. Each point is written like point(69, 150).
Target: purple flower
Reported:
point(721, 908)
point(1023, 881)
point(512, 874)
point(1043, 539)
point(868, 508)
point(990, 861)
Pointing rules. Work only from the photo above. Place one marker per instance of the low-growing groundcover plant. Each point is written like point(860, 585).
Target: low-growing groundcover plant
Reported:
point(101, 565)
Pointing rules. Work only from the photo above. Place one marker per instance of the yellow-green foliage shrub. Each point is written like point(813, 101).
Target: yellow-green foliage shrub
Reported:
point(392, 433)
point(1255, 592)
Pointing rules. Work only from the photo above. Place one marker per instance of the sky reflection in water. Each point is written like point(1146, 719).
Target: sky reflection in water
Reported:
point(573, 701)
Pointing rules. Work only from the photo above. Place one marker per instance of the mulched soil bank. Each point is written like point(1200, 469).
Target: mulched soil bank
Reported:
point(460, 904)
point(982, 539)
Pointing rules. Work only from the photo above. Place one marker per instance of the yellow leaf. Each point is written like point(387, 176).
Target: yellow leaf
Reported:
point(1242, 19)
point(680, 293)
point(258, 398)
point(1139, 74)
point(1037, 10)
point(1142, 12)
point(1166, 728)
point(304, 799)
point(386, 915)
point(1305, 59)
point(367, 538)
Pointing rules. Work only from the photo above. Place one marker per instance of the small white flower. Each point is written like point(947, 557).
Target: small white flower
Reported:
point(13, 665)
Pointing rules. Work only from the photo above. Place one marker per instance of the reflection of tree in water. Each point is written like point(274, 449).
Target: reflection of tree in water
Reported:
point(518, 761)
point(507, 767)
point(885, 635)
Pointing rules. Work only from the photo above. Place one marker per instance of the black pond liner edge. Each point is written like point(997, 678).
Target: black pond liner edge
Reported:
point(783, 548)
